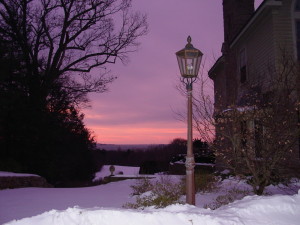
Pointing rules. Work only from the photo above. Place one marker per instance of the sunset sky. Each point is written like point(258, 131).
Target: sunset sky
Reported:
point(141, 104)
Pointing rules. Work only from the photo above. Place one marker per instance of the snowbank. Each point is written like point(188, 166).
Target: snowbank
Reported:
point(278, 209)
point(11, 174)
point(18, 180)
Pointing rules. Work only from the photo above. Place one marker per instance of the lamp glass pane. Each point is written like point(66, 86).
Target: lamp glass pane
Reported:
point(181, 64)
point(197, 64)
point(190, 67)
point(191, 54)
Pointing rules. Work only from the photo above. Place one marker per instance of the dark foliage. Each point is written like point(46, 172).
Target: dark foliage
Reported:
point(50, 141)
point(54, 144)
point(154, 159)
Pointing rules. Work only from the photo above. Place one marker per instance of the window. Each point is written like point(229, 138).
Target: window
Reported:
point(297, 5)
point(252, 137)
point(298, 38)
point(296, 13)
point(244, 134)
point(299, 134)
point(243, 66)
point(258, 138)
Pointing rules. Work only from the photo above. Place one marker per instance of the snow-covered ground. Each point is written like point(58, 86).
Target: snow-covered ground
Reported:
point(103, 205)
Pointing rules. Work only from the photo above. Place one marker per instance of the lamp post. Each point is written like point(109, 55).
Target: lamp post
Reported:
point(189, 60)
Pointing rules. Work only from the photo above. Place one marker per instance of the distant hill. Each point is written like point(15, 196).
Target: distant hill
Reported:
point(126, 147)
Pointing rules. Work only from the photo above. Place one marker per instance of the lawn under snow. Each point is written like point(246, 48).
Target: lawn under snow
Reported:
point(103, 205)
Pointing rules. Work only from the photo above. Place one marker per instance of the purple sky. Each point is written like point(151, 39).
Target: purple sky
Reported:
point(139, 107)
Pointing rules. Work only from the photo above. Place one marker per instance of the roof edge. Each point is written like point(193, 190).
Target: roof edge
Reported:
point(258, 11)
point(219, 62)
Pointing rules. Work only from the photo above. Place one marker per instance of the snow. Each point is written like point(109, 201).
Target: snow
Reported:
point(120, 171)
point(277, 209)
point(196, 164)
point(103, 205)
point(27, 202)
point(226, 171)
point(240, 109)
point(11, 174)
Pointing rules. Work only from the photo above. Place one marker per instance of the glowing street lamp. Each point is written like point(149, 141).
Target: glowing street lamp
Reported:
point(189, 60)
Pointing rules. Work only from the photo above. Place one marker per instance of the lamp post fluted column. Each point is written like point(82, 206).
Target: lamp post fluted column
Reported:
point(189, 60)
point(190, 161)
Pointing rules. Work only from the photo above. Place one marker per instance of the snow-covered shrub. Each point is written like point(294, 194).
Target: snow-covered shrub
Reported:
point(230, 196)
point(162, 193)
point(204, 182)
point(141, 186)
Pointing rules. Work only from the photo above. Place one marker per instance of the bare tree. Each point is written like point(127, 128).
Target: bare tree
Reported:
point(203, 107)
point(52, 53)
point(64, 40)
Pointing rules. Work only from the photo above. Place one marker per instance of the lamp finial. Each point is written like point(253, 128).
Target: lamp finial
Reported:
point(189, 39)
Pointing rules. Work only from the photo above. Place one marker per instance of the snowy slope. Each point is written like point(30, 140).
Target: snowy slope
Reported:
point(103, 205)
point(25, 202)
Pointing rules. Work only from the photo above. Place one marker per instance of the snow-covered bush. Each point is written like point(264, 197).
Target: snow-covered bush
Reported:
point(159, 194)
point(204, 182)
point(230, 196)
point(141, 186)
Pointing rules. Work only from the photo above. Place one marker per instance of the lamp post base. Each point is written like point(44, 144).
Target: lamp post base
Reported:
point(190, 180)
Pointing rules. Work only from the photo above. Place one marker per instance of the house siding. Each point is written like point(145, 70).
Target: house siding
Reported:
point(220, 89)
point(283, 30)
point(259, 43)
point(266, 38)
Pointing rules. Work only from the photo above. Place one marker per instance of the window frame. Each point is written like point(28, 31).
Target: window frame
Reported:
point(258, 137)
point(296, 19)
point(297, 5)
point(243, 66)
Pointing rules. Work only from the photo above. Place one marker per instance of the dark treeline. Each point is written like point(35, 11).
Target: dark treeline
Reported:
point(48, 138)
point(154, 159)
